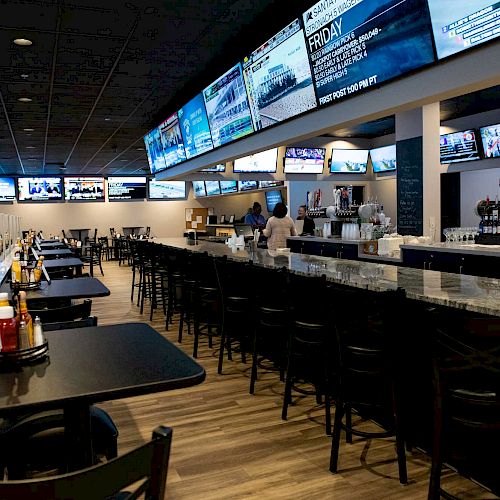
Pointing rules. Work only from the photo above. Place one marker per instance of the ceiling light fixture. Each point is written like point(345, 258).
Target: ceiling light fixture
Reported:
point(29, 129)
point(139, 149)
point(24, 99)
point(24, 42)
point(107, 119)
point(24, 75)
point(30, 147)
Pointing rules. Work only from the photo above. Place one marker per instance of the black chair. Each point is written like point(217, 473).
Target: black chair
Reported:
point(93, 257)
point(64, 325)
point(91, 239)
point(106, 249)
point(154, 276)
point(146, 466)
point(64, 234)
point(69, 313)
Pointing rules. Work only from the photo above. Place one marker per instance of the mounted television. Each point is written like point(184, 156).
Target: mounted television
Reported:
point(84, 188)
point(278, 78)
point(265, 161)
point(490, 137)
point(268, 184)
point(7, 189)
point(384, 158)
point(40, 188)
point(172, 143)
point(220, 167)
point(458, 146)
point(304, 160)
point(194, 127)
point(273, 197)
point(212, 188)
point(459, 26)
point(126, 188)
point(357, 45)
point(199, 189)
point(247, 185)
point(349, 161)
point(166, 190)
point(154, 151)
point(228, 187)
point(227, 107)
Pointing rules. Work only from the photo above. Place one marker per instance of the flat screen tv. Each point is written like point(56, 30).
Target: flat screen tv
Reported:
point(349, 161)
point(384, 158)
point(461, 25)
point(490, 137)
point(357, 45)
point(268, 184)
point(84, 188)
point(194, 127)
point(273, 197)
point(126, 188)
point(40, 188)
point(278, 78)
point(227, 107)
point(171, 140)
point(265, 161)
point(228, 187)
point(247, 185)
point(304, 160)
point(154, 151)
point(166, 190)
point(212, 188)
point(458, 146)
point(220, 167)
point(7, 189)
point(199, 189)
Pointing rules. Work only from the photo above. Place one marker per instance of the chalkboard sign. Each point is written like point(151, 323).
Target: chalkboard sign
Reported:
point(410, 186)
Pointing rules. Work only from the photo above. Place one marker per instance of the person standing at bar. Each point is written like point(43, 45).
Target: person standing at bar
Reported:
point(309, 224)
point(279, 227)
point(256, 219)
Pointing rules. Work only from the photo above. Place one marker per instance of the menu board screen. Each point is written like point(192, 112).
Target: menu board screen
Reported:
point(126, 188)
point(154, 150)
point(349, 161)
point(265, 161)
point(39, 188)
point(7, 189)
point(166, 190)
point(84, 188)
point(199, 188)
point(278, 78)
point(356, 44)
point(458, 146)
point(171, 139)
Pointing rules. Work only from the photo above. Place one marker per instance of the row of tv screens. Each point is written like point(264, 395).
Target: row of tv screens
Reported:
point(88, 189)
point(335, 51)
point(213, 188)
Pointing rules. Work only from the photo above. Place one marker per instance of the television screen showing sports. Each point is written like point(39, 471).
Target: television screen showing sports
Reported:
point(166, 190)
point(278, 78)
point(273, 197)
point(220, 167)
point(268, 184)
point(461, 24)
point(212, 188)
point(228, 187)
point(354, 45)
point(171, 139)
point(194, 127)
point(126, 188)
point(349, 161)
point(458, 146)
point(227, 107)
point(154, 150)
point(384, 158)
point(265, 161)
point(304, 160)
point(199, 188)
point(491, 141)
point(247, 185)
point(84, 188)
point(40, 188)
point(7, 189)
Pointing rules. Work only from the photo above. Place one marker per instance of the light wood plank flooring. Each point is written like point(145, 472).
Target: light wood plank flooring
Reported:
point(229, 444)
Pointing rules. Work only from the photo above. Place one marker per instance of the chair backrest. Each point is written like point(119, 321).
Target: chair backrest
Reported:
point(67, 325)
point(112, 232)
point(63, 233)
point(147, 464)
point(69, 313)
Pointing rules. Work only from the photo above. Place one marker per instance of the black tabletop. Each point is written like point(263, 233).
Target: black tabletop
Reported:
point(88, 365)
point(52, 245)
point(59, 263)
point(55, 251)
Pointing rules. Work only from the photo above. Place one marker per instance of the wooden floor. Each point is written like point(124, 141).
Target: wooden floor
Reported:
point(229, 444)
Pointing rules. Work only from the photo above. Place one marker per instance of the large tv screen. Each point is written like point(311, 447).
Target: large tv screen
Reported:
point(278, 78)
point(349, 161)
point(359, 44)
point(304, 160)
point(220, 167)
point(268, 184)
point(491, 141)
point(7, 189)
point(265, 161)
point(461, 24)
point(227, 107)
point(199, 188)
point(126, 188)
point(194, 127)
point(458, 146)
point(247, 185)
point(171, 139)
point(228, 187)
point(273, 197)
point(166, 190)
point(84, 188)
point(212, 188)
point(384, 158)
point(154, 150)
point(40, 188)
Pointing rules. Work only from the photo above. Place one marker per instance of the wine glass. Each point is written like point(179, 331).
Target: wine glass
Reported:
point(447, 234)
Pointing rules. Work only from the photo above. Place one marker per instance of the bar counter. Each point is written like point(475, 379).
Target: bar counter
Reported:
point(471, 293)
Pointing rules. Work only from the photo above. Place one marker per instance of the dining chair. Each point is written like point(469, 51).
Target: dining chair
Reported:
point(73, 312)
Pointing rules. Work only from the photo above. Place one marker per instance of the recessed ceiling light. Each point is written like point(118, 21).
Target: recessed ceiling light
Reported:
point(24, 99)
point(29, 129)
point(24, 75)
point(30, 147)
point(139, 149)
point(107, 119)
point(23, 41)
point(123, 160)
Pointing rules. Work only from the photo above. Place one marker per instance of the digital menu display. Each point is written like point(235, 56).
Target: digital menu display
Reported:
point(194, 127)
point(384, 158)
point(349, 161)
point(220, 167)
point(7, 189)
point(461, 24)
point(228, 187)
point(273, 197)
point(304, 160)
point(84, 188)
point(39, 188)
point(247, 185)
point(212, 188)
point(491, 141)
point(265, 161)
point(154, 150)
point(171, 139)
point(199, 188)
point(126, 188)
point(357, 44)
point(227, 107)
point(278, 78)
point(458, 146)
point(166, 190)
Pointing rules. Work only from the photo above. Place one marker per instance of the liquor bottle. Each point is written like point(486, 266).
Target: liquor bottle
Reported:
point(494, 224)
point(481, 225)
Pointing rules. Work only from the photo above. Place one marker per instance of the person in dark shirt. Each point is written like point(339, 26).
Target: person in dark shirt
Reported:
point(309, 224)
point(256, 219)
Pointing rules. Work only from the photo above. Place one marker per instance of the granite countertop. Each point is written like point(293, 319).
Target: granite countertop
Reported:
point(472, 293)
point(320, 239)
point(486, 250)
